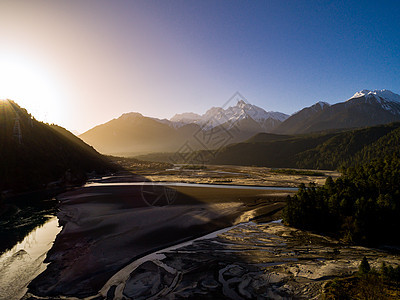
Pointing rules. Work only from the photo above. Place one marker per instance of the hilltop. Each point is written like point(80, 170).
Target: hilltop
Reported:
point(34, 154)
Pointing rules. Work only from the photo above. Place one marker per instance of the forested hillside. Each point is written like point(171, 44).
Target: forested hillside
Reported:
point(33, 153)
point(343, 149)
point(361, 206)
point(329, 151)
point(386, 147)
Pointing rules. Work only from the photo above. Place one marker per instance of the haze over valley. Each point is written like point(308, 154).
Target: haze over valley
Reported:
point(133, 134)
point(199, 150)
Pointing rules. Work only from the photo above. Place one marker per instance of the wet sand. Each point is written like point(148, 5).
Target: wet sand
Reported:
point(235, 175)
point(107, 227)
point(247, 261)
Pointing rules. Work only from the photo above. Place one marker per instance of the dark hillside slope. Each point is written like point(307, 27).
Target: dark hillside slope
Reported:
point(356, 112)
point(34, 153)
point(386, 147)
point(132, 133)
point(312, 151)
point(343, 148)
point(268, 137)
point(274, 153)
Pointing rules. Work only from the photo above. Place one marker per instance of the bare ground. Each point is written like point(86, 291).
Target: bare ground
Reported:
point(236, 175)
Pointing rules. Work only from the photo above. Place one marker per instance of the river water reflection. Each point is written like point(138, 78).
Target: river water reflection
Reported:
point(20, 265)
point(24, 261)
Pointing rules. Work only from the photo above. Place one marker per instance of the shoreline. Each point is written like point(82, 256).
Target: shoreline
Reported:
point(192, 184)
point(286, 263)
point(204, 244)
point(25, 261)
point(94, 226)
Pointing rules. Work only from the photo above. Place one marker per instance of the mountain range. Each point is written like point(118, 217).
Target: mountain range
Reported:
point(216, 116)
point(133, 133)
point(364, 108)
point(323, 150)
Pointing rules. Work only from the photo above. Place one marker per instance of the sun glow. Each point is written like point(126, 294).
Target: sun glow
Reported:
point(31, 86)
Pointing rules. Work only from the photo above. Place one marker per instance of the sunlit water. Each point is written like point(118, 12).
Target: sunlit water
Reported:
point(184, 184)
point(20, 265)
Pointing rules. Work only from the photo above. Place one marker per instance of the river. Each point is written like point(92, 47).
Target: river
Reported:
point(184, 184)
point(20, 265)
point(25, 261)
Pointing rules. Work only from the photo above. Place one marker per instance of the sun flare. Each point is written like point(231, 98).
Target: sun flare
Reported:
point(31, 86)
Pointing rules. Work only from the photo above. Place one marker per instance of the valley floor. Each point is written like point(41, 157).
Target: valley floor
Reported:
point(227, 174)
point(106, 226)
point(123, 239)
point(247, 261)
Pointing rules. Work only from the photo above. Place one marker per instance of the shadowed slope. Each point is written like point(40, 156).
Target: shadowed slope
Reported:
point(33, 153)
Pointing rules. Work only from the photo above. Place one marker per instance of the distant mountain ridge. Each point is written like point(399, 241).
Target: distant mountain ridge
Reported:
point(378, 95)
point(364, 108)
point(327, 151)
point(216, 116)
point(135, 134)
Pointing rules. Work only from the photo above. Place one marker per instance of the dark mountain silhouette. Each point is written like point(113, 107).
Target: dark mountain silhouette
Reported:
point(365, 108)
point(33, 153)
point(134, 134)
point(315, 150)
point(131, 133)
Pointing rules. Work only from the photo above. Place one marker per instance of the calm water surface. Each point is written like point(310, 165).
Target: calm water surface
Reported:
point(20, 265)
point(172, 184)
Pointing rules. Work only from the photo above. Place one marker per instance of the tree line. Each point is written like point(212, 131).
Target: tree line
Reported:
point(362, 206)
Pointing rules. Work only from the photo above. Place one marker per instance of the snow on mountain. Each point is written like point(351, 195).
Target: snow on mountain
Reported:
point(179, 120)
point(213, 117)
point(387, 99)
point(254, 112)
point(377, 94)
point(217, 115)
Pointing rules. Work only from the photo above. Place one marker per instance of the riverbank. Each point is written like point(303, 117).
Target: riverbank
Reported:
point(107, 227)
point(234, 175)
point(21, 264)
point(247, 261)
point(20, 215)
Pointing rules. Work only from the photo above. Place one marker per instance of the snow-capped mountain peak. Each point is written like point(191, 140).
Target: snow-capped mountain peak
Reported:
point(244, 110)
point(217, 115)
point(386, 99)
point(384, 94)
point(241, 104)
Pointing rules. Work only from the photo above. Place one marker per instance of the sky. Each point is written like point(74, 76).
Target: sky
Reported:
point(82, 63)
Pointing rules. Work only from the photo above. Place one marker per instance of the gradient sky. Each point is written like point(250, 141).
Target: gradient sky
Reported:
point(82, 63)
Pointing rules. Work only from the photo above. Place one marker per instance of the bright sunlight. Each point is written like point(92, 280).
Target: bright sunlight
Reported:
point(31, 85)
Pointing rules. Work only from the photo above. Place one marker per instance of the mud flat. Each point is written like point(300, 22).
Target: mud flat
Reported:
point(122, 241)
point(105, 228)
point(235, 175)
point(247, 261)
